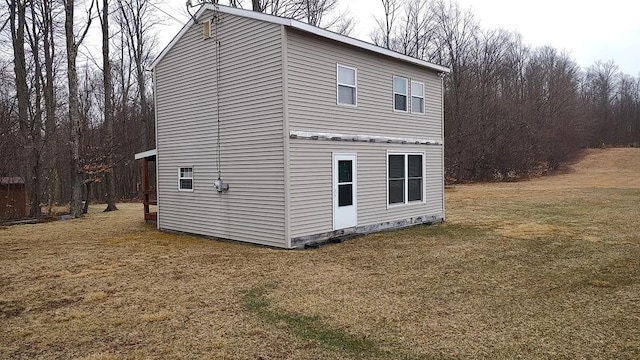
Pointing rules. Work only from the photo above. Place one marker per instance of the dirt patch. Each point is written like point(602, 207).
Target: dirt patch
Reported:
point(10, 308)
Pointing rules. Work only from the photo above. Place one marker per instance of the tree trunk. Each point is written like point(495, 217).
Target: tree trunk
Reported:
point(51, 152)
point(74, 115)
point(17, 20)
point(144, 112)
point(35, 127)
point(87, 193)
point(108, 109)
point(256, 5)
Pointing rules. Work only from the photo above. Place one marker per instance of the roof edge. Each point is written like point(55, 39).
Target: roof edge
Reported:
point(295, 24)
point(179, 35)
point(366, 46)
point(146, 154)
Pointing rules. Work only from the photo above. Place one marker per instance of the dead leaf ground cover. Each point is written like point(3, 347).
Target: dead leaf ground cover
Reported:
point(546, 268)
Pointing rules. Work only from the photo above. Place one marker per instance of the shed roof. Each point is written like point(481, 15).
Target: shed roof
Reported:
point(149, 154)
point(11, 180)
point(299, 26)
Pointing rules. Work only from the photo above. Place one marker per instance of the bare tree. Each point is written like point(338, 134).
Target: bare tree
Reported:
point(136, 21)
point(321, 13)
point(72, 44)
point(601, 82)
point(48, 12)
point(382, 35)
point(315, 10)
point(108, 109)
point(29, 123)
point(34, 35)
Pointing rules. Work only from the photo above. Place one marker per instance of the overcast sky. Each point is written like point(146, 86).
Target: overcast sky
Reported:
point(589, 30)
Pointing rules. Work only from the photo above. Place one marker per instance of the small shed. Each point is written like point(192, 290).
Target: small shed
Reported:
point(14, 202)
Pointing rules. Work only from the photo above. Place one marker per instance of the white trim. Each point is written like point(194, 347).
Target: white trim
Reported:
point(186, 178)
point(338, 83)
point(300, 26)
point(362, 138)
point(406, 155)
point(155, 120)
point(334, 185)
point(424, 105)
point(442, 152)
point(146, 154)
point(285, 142)
point(406, 93)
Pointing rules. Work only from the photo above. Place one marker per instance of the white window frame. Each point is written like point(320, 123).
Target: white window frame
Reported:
point(406, 177)
point(419, 97)
point(406, 94)
point(180, 177)
point(338, 84)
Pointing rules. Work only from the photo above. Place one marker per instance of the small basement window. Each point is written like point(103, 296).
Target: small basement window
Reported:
point(405, 178)
point(185, 179)
point(417, 97)
point(347, 86)
point(400, 96)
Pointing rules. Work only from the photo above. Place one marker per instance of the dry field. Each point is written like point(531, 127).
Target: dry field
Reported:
point(547, 268)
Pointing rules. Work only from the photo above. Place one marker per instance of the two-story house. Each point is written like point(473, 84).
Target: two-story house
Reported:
point(275, 132)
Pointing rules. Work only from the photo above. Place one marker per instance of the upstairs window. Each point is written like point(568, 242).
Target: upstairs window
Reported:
point(405, 178)
point(417, 97)
point(347, 86)
point(185, 179)
point(400, 96)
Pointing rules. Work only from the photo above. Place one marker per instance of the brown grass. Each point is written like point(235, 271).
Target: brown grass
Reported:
point(541, 269)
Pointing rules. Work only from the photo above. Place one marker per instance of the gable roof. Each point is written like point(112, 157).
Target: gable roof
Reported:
point(295, 24)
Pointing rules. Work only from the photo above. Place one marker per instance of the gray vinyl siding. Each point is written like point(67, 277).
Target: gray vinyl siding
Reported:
point(252, 142)
point(310, 172)
point(312, 91)
point(312, 108)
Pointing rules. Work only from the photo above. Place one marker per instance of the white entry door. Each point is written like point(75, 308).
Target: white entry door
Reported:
point(345, 192)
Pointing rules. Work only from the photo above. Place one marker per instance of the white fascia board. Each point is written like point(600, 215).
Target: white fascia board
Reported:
point(299, 26)
point(146, 154)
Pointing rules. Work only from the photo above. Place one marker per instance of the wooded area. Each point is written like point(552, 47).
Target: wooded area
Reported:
point(510, 109)
point(70, 126)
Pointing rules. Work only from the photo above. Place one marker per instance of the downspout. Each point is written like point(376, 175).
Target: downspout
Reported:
point(442, 75)
point(157, 179)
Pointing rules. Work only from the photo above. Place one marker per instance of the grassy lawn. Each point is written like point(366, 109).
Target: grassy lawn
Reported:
point(548, 268)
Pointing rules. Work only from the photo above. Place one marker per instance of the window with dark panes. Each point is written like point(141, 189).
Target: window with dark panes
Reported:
point(414, 178)
point(405, 178)
point(396, 179)
point(345, 183)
